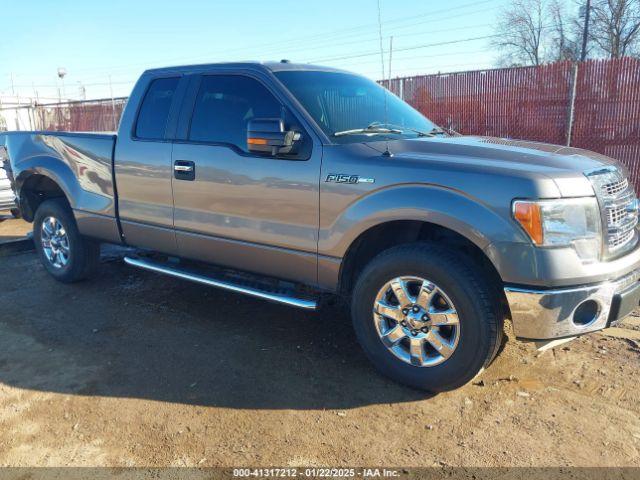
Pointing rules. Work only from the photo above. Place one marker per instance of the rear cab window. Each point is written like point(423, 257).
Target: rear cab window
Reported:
point(154, 111)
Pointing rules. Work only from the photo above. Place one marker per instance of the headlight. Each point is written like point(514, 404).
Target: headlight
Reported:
point(573, 222)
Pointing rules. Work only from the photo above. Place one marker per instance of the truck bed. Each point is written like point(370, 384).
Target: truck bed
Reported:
point(80, 163)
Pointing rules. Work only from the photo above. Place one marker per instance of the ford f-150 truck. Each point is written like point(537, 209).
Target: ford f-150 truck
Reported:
point(289, 182)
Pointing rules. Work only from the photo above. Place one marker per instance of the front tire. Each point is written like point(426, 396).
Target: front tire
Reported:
point(64, 253)
point(426, 317)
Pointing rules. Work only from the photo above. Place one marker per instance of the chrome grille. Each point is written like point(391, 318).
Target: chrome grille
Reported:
point(619, 209)
point(613, 189)
point(618, 241)
point(616, 215)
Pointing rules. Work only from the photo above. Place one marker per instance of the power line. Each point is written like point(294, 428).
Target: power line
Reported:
point(422, 70)
point(414, 57)
point(339, 33)
point(392, 33)
point(435, 17)
point(415, 47)
point(53, 85)
point(432, 17)
point(349, 31)
point(358, 33)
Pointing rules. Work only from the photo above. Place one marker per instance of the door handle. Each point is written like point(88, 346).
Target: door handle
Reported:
point(184, 170)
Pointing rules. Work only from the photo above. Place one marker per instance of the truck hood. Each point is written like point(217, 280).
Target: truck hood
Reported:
point(500, 153)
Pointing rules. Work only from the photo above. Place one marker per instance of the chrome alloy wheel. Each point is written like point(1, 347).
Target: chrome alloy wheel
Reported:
point(55, 242)
point(416, 321)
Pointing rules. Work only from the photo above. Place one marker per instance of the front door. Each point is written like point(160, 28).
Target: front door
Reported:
point(251, 212)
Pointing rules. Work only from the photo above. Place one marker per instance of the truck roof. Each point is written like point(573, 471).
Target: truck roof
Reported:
point(283, 65)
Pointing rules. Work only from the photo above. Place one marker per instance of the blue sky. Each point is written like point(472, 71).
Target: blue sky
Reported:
point(96, 39)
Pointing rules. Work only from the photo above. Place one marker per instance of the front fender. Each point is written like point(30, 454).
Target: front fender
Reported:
point(471, 218)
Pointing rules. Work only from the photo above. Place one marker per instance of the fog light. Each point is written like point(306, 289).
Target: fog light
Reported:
point(586, 313)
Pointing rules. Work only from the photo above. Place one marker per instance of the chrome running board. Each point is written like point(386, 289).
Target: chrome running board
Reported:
point(224, 284)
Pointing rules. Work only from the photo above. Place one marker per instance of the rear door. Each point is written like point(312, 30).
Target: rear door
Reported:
point(231, 207)
point(143, 167)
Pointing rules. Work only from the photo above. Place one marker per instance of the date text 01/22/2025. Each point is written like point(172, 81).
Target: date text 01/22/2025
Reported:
point(315, 472)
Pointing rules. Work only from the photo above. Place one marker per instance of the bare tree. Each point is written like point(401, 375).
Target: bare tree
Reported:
point(564, 32)
point(615, 26)
point(519, 33)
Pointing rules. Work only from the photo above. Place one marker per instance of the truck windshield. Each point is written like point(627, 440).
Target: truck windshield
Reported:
point(351, 108)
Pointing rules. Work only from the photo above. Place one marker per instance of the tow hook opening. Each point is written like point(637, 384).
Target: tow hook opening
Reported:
point(586, 313)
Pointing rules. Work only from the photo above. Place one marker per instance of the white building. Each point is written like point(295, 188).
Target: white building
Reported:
point(16, 112)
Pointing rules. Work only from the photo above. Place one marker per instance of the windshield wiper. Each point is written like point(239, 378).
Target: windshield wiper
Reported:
point(370, 130)
point(420, 133)
point(438, 131)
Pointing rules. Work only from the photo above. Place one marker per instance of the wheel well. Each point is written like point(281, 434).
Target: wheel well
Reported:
point(391, 234)
point(35, 190)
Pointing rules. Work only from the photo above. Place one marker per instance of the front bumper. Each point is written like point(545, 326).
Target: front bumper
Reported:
point(551, 314)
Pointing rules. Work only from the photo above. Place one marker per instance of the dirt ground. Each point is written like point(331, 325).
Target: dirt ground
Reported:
point(11, 229)
point(135, 369)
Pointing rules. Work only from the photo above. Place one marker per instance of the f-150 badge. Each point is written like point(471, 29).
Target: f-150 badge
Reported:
point(346, 178)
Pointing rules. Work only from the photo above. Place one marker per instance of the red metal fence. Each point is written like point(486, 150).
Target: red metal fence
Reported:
point(607, 111)
point(535, 103)
point(82, 116)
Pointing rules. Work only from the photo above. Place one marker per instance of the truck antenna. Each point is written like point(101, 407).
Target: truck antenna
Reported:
point(387, 152)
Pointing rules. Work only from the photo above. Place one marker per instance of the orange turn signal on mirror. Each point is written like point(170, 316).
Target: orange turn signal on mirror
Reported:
point(528, 216)
point(257, 141)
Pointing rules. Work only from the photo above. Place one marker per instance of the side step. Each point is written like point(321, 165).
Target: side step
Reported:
point(277, 297)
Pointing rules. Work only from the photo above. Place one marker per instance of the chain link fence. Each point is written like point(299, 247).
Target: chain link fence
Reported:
point(101, 115)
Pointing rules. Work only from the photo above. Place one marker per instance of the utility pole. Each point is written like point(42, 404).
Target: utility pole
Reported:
point(390, 56)
point(585, 32)
point(572, 103)
point(113, 106)
point(13, 90)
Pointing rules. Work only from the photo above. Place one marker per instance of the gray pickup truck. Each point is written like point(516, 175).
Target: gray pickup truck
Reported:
point(290, 182)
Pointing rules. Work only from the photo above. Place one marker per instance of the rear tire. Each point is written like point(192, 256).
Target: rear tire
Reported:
point(450, 328)
point(64, 253)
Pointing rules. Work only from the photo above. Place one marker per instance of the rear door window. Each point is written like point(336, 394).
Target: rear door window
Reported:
point(154, 111)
